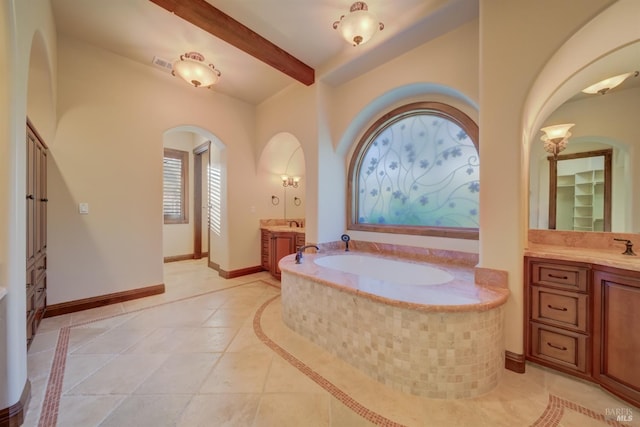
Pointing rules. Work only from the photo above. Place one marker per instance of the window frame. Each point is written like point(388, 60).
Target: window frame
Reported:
point(438, 109)
point(183, 156)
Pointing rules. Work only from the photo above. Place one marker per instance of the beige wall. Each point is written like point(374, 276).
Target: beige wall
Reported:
point(517, 39)
point(20, 23)
point(108, 152)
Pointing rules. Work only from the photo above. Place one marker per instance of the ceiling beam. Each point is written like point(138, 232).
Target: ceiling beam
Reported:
point(214, 21)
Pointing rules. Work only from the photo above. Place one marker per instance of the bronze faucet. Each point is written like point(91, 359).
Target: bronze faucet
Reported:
point(629, 250)
point(301, 249)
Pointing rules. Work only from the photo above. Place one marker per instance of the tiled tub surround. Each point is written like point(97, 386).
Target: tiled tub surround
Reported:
point(436, 341)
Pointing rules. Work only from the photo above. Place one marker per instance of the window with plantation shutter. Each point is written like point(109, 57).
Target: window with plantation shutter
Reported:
point(175, 173)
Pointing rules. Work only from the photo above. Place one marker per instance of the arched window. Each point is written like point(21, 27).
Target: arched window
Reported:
point(416, 171)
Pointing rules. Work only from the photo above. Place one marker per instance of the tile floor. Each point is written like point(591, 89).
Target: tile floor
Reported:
point(214, 352)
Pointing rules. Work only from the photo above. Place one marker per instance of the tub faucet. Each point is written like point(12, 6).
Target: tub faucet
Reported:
point(301, 249)
point(345, 238)
point(295, 222)
point(629, 250)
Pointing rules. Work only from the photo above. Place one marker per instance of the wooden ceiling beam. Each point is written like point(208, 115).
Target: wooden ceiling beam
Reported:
point(214, 21)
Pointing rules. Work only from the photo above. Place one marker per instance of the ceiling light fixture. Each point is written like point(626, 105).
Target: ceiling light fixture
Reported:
point(606, 85)
point(193, 70)
point(290, 181)
point(359, 25)
point(556, 138)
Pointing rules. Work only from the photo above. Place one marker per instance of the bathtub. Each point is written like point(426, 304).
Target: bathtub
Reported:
point(423, 328)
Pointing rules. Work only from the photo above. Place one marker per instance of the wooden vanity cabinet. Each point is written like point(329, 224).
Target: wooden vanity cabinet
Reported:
point(558, 323)
point(582, 319)
point(275, 245)
point(616, 357)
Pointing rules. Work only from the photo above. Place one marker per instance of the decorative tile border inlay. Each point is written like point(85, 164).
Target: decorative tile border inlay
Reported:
point(555, 409)
point(336, 392)
point(51, 404)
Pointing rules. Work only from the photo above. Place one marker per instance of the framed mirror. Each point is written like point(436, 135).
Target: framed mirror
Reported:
point(580, 191)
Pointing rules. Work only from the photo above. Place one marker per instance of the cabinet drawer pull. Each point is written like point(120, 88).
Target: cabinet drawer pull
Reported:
point(557, 347)
point(557, 308)
point(558, 277)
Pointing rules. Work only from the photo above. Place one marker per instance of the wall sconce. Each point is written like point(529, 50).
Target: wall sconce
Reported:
point(359, 25)
point(193, 70)
point(606, 85)
point(290, 181)
point(556, 138)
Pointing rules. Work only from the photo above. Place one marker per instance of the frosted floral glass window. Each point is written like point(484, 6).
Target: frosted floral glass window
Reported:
point(418, 168)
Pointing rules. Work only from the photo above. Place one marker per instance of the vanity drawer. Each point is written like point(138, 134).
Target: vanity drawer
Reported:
point(560, 347)
point(559, 308)
point(561, 276)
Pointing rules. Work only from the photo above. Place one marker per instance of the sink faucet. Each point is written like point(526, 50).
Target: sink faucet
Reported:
point(295, 222)
point(629, 250)
point(301, 249)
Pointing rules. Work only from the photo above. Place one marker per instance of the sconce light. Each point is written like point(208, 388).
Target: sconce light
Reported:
point(193, 70)
point(606, 85)
point(359, 25)
point(556, 138)
point(290, 181)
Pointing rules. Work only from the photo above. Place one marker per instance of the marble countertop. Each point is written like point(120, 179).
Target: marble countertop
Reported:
point(283, 228)
point(608, 257)
point(458, 295)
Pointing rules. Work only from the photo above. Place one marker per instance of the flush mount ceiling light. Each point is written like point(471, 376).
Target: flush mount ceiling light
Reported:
point(193, 70)
point(556, 137)
point(359, 25)
point(606, 85)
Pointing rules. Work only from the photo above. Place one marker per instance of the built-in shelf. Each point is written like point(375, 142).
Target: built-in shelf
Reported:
point(582, 193)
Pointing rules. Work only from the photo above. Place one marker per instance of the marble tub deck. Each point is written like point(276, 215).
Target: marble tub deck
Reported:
point(462, 294)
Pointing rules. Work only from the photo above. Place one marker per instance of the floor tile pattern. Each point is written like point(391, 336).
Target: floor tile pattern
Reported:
point(215, 352)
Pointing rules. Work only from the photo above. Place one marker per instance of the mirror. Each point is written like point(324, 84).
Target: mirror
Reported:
point(603, 122)
point(580, 191)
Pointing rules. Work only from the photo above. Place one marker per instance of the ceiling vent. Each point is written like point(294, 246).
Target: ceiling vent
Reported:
point(162, 63)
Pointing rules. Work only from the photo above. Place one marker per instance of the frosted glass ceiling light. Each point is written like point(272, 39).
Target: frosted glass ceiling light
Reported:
point(605, 85)
point(556, 137)
point(359, 25)
point(193, 70)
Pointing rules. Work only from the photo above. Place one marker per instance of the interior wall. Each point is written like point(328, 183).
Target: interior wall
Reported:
point(511, 30)
point(108, 152)
point(328, 120)
point(20, 22)
point(282, 155)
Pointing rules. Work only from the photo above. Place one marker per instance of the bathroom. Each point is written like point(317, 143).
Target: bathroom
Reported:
point(325, 121)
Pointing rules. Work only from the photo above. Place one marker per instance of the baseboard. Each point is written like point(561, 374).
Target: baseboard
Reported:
point(14, 415)
point(102, 300)
point(514, 362)
point(240, 272)
point(235, 273)
point(185, 257)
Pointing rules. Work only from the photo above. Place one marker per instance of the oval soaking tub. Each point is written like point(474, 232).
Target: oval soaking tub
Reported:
point(439, 337)
point(398, 272)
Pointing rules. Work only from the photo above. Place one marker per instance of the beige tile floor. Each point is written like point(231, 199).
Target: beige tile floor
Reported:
point(194, 356)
